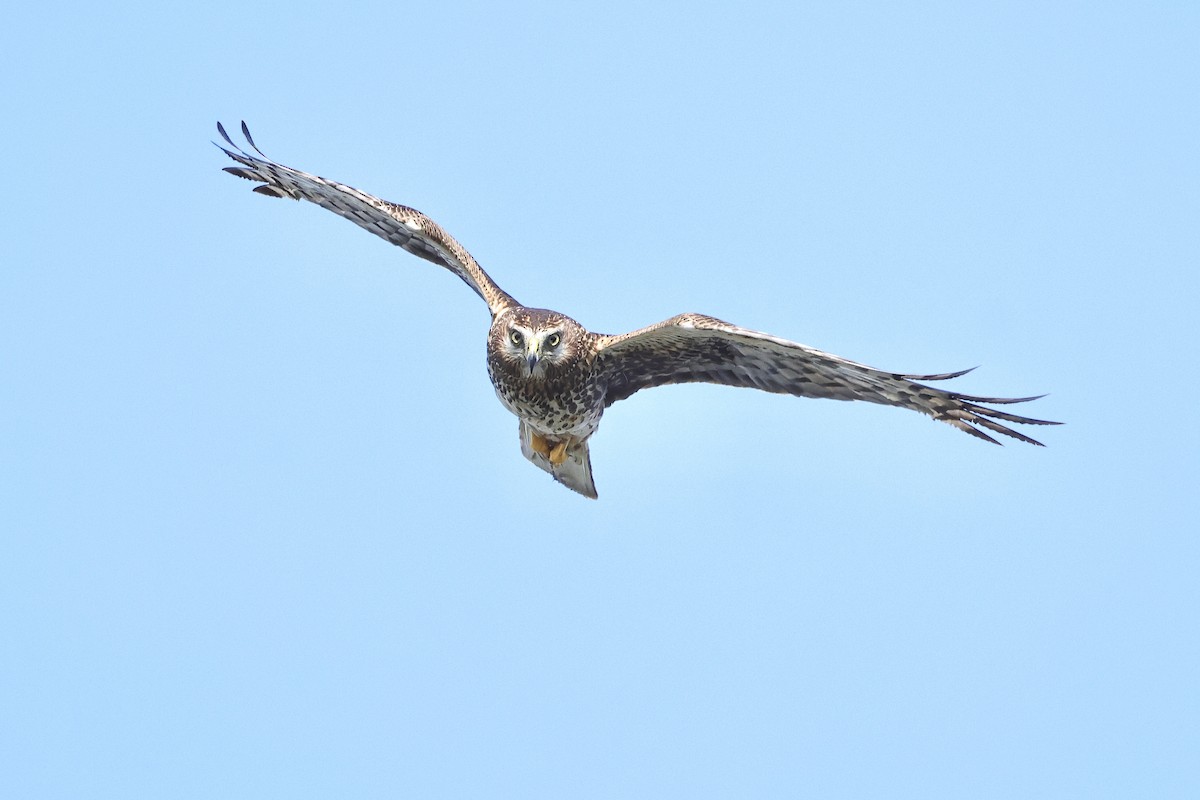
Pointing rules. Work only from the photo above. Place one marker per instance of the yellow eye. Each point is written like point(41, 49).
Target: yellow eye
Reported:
point(516, 338)
point(553, 339)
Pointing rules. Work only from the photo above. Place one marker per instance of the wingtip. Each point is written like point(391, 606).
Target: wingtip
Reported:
point(999, 400)
point(966, 427)
point(942, 376)
point(224, 135)
point(270, 191)
point(241, 173)
point(250, 139)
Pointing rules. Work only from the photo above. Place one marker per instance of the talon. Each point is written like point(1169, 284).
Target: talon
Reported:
point(559, 453)
point(539, 445)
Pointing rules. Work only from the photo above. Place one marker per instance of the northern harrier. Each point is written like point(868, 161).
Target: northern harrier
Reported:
point(558, 377)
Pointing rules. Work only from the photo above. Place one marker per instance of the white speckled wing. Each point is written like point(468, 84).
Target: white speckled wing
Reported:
point(693, 348)
point(402, 226)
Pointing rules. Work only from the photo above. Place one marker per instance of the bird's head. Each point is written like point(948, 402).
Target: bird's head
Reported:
point(536, 342)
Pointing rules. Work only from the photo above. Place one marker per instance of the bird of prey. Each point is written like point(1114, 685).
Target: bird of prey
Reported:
point(557, 377)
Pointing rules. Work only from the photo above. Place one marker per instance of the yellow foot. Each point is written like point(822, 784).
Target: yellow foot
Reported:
point(539, 444)
point(559, 453)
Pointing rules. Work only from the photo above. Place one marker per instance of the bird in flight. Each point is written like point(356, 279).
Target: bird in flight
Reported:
point(557, 377)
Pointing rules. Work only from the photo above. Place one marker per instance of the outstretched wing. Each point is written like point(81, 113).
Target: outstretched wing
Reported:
point(402, 226)
point(693, 348)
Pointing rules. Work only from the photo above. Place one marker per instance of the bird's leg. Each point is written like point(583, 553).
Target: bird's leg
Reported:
point(558, 454)
point(538, 444)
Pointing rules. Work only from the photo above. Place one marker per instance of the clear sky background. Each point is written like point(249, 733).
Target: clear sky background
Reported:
point(267, 531)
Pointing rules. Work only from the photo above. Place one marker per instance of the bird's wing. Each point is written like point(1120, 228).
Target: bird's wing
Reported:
point(694, 348)
point(402, 226)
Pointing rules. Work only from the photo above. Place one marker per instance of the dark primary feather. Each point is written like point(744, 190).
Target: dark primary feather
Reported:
point(270, 191)
point(249, 138)
point(693, 348)
point(402, 226)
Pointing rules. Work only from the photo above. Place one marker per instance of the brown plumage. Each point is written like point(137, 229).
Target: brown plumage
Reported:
point(557, 377)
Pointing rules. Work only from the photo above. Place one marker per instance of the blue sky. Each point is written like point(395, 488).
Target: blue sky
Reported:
point(267, 531)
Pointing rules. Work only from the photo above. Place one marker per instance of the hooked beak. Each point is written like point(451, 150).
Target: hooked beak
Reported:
point(531, 358)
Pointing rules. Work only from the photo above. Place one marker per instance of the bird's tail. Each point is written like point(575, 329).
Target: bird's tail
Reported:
point(575, 472)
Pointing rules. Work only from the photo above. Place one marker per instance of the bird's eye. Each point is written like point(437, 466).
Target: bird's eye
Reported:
point(516, 338)
point(553, 339)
